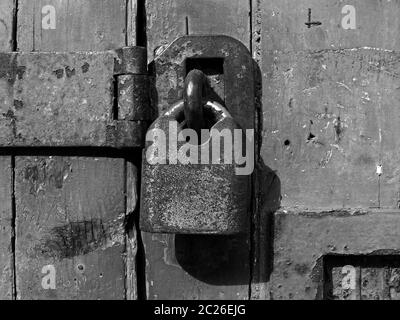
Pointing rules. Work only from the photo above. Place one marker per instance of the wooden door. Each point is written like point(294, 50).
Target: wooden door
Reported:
point(326, 188)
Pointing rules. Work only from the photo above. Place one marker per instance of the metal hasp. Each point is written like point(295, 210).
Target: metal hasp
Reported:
point(81, 99)
point(198, 197)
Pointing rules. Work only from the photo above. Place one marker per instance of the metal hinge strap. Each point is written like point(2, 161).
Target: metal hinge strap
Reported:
point(52, 99)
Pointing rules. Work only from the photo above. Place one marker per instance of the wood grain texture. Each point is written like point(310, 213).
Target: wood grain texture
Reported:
point(326, 134)
point(284, 25)
point(6, 24)
point(169, 19)
point(196, 267)
point(71, 210)
point(70, 214)
point(6, 214)
point(80, 25)
point(329, 121)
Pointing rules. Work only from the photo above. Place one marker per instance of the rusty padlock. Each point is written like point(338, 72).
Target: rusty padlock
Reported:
point(192, 181)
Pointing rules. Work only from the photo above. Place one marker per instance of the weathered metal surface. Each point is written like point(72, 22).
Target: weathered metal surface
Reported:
point(170, 70)
point(302, 240)
point(133, 98)
point(70, 215)
point(196, 267)
point(193, 96)
point(375, 24)
point(131, 60)
point(6, 18)
point(66, 99)
point(193, 198)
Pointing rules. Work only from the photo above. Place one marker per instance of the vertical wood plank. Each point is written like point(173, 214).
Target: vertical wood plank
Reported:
point(6, 214)
point(349, 129)
point(169, 19)
point(86, 211)
point(79, 25)
point(316, 109)
point(70, 215)
point(196, 267)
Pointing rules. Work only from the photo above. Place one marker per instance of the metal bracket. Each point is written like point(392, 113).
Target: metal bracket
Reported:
point(233, 66)
point(80, 99)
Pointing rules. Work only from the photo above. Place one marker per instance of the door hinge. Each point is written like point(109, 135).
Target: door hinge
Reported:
point(79, 99)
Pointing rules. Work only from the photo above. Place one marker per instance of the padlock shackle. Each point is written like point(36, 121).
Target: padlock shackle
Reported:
point(194, 95)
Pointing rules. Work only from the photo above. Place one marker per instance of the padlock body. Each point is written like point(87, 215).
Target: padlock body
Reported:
point(194, 198)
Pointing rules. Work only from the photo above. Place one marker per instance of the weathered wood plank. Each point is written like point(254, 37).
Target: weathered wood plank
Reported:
point(330, 121)
point(376, 24)
point(6, 216)
point(132, 14)
point(70, 215)
point(80, 213)
point(169, 19)
point(329, 115)
point(79, 25)
point(196, 267)
point(6, 24)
